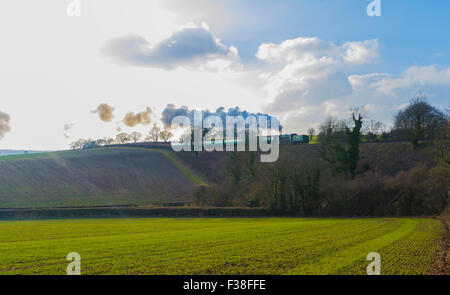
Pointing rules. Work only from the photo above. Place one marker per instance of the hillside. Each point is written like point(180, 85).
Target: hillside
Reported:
point(92, 178)
point(142, 175)
point(18, 152)
point(386, 158)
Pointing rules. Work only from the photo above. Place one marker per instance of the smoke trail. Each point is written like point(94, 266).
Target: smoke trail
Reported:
point(171, 111)
point(105, 112)
point(4, 124)
point(131, 119)
point(67, 127)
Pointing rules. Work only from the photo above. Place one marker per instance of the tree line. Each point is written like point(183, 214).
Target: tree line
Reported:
point(154, 135)
point(331, 180)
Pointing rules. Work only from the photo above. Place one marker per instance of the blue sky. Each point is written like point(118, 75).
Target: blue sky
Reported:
point(299, 60)
point(410, 31)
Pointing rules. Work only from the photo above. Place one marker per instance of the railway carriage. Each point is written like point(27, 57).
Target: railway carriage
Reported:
point(294, 139)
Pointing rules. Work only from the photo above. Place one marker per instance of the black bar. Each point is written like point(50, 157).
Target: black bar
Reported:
point(227, 284)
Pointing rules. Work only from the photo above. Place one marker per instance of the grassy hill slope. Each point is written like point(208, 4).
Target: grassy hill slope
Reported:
point(138, 175)
point(92, 178)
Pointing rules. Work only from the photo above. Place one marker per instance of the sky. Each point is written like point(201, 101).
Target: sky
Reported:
point(298, 60)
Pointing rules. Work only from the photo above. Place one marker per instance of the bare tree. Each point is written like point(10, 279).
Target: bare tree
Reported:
point(311, 133)
point(73, 145)
point(100, 142)
point(340, 142)
point(374, 127)
point(332, 130)
point(153, 135)
point(420, 120)
point(135, 136)
point(165, 135)
point(109, 141)
point(442, 138)
point(122, 137)
point(78, 145)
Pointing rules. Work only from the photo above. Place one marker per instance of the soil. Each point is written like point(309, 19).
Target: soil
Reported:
point(441, 266)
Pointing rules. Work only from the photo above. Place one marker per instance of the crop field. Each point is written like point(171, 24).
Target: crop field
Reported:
point(219, 245)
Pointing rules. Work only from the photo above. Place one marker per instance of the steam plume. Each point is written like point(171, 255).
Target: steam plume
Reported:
point(171, 111)
point(4, 124)
point(131, 119)
point(105, 112)
point(67, 127)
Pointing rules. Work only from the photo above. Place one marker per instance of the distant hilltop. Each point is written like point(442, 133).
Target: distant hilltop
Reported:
point(19, 152)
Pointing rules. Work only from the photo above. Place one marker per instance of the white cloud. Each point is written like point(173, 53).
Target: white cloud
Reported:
point(308, 74)
point(387, 93)
point(432, 80)
point(307, 79)
point(312, 48)
point(191, 46)
point(416, 76)
point(402, 106)
point(360, 82)
point(221, 15)
point(303, 48)
point(361, 52)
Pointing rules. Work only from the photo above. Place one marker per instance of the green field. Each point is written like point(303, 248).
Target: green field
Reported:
point(219, 246)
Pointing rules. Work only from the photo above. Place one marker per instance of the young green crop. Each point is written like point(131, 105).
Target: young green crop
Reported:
point(218, 246)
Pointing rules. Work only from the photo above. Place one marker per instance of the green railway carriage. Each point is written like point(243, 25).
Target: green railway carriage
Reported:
point(285, 138)
point(300, 139)
point(294, 139)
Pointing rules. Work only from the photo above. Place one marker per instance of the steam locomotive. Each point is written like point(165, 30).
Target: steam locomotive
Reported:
point(294, 138)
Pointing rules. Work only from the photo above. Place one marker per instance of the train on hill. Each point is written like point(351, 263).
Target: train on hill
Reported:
point(294, 138)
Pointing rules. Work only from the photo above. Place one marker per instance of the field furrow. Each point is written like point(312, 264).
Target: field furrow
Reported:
point(218, 245)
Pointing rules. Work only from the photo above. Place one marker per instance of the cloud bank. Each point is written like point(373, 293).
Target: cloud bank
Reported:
point(421, 78)
point(304, 79)
point(307, 78)
point(192, 46)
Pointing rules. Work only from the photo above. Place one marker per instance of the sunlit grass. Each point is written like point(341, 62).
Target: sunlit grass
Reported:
point(219, 246)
